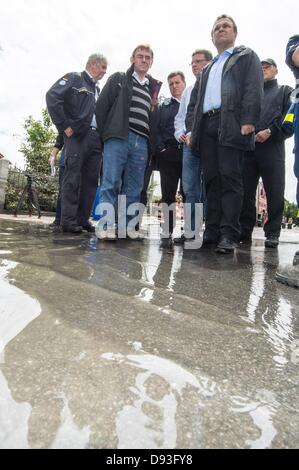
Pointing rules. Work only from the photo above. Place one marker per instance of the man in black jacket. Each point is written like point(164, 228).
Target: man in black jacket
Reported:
point(267, 160)
point(223, 112)
point(124, 113)
point(170, 154)
point(71, 104)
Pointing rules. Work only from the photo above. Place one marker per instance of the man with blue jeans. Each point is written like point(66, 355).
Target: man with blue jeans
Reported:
point(192, 170)
point(125, 113)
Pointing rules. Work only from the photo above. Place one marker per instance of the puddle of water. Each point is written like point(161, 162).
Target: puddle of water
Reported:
point(136, 429)
point(262, 411)
point(69, 436)
point(17, 310)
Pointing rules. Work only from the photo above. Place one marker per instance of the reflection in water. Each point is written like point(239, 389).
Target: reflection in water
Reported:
point(13, 419)
point(276, 314)
point(69, 436)
point(17, 310)
point(158, 262)
point(150, 422)
point(261, 412)
point(279, 328)
point(256, 292)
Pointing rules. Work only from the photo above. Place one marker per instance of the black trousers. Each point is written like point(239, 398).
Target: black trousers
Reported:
point(82, 164)
point(268, 162)
point(222, 171)
point(170, 167)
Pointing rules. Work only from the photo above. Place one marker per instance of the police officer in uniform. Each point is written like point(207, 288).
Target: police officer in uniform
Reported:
point(71, 105)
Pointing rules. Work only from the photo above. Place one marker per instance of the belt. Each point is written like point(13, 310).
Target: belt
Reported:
point(93, 128)
point(212, 112)
point(174, 146)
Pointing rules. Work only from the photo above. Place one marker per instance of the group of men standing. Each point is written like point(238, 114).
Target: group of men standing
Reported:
point(217, 137)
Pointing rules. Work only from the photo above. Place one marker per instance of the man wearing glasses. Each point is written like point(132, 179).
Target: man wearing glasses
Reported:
point(192, 170)
point(125, 114)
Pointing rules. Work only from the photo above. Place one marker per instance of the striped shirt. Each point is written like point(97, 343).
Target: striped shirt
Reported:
point(140, 109)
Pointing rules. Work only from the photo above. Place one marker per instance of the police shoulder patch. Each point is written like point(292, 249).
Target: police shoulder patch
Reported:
point(62, 82)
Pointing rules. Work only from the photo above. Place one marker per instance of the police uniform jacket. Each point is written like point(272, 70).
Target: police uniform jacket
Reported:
point(275, 105)
point(71, 102)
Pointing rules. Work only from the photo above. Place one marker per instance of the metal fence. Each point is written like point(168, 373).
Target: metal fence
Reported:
point(46, 188)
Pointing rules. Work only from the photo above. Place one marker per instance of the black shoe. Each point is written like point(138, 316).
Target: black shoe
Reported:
point(166, 242)
point(55, 224)
point(76, 229)
point(208, 242)
point(272, 241)
point(89, 228)
point(225, 246)
point(246, 239)
point(182, 239)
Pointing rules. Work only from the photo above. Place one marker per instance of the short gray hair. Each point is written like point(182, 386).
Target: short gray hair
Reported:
point(96, 58)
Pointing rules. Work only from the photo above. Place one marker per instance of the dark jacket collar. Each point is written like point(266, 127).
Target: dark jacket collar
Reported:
point(270, 84)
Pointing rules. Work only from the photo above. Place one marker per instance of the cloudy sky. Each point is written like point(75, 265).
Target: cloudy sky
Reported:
point(42, 40)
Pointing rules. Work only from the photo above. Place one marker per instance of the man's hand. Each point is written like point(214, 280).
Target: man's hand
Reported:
point(247, 129)
point(262, 136)
point(69, 132)
point(53, 155)
point(183, 138)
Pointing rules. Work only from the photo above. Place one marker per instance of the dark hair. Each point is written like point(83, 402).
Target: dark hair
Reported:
point(147, 47)
point(208, 55)
point(229, 18)
point(174, 74)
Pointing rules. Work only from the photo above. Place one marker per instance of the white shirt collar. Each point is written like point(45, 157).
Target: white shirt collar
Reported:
point(145, 81)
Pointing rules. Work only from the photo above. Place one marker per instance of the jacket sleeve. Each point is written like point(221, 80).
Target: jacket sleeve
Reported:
point(278, 131)
point(291, 47)
point(106, 100)
point(159, 141)
point(59, 143)
point(192, 105)
point(55, 99)
point(253, 91)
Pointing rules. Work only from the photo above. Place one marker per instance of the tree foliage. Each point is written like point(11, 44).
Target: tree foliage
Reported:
point(38, 142)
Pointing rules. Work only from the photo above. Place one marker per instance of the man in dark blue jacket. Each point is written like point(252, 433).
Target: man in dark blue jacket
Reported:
point(71, 104)
point(267, 160)
point(223, 112)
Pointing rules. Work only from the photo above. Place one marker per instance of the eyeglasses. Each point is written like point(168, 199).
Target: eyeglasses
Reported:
point(147, 58)
point(199, 61)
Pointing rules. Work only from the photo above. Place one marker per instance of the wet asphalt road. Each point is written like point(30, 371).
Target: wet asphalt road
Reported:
point(124, 345)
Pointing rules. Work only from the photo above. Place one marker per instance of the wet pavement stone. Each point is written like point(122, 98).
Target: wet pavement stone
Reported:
point(125, 345)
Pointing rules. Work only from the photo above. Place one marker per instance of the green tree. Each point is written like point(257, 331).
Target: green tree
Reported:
point(290, 209)
point(39, 139)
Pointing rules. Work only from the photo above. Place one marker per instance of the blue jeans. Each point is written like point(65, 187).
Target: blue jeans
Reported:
point(124, 163)
point(192, 182)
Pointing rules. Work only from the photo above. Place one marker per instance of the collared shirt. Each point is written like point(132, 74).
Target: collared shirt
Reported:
point(212, 98)
point(179, 121)
point(145, 81)
point(94, 121)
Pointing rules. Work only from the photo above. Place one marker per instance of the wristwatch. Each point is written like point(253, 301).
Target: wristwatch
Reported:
point(269, 131)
